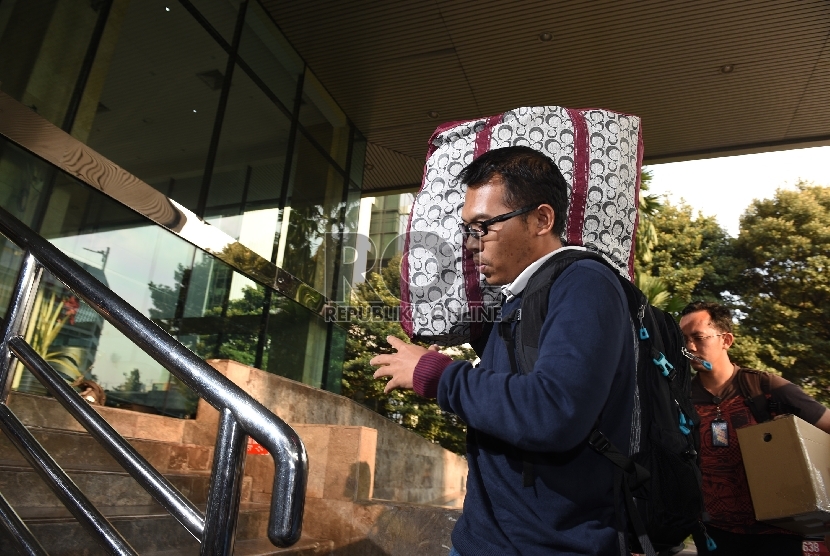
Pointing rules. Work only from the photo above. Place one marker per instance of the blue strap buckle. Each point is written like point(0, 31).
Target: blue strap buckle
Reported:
point(644, 333)
point(665, 366)
point(685, 424)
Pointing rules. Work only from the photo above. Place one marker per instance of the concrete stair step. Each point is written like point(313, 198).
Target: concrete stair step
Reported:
point(263, 547)
point(23, 487)
point(150, 530)
point(79, 450)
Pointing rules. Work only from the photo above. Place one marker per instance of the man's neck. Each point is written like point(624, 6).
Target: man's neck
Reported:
point(518, 284)
point(718, 377)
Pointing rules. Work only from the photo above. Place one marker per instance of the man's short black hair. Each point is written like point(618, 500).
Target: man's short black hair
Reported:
point(529, 178)
point(720, 316)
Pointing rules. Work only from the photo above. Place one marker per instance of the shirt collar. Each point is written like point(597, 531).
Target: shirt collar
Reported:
point(517, 286)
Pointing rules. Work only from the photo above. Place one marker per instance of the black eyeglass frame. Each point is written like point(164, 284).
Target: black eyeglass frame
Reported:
point(467, 231)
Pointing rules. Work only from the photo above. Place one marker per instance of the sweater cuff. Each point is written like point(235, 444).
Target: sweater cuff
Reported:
point(428, 372)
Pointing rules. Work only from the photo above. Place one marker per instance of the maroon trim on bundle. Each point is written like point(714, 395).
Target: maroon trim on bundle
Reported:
point(483, 137)
point(438, 131)
point(406, 306)
point(579, 192)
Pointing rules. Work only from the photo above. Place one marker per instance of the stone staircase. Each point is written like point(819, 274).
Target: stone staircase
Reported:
point(354, 454)
point(145, 524)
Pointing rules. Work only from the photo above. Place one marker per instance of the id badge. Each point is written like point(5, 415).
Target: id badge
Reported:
point(720, 433)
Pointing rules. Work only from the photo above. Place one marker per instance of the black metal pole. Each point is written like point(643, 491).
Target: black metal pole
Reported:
point(86, 67)
point(225, 486)
point(220, 112)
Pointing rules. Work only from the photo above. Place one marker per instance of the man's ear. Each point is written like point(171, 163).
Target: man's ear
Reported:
point(544, 219)
point(728, 340)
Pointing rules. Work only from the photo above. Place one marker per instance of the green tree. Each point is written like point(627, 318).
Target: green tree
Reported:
point(784, 286)
point(691, 259)
point(649, 207)
point(367, 338)
point(132, 382)
point(647, 238)
point(680, 255)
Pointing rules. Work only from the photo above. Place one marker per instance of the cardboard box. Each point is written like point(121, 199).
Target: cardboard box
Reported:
point(787, 463)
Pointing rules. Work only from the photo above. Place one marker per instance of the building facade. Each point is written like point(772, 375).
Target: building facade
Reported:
point(208, 104)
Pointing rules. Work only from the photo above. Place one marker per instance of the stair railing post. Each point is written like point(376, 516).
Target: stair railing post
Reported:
point(225, 487)
point(17, 318)
point(21, 535)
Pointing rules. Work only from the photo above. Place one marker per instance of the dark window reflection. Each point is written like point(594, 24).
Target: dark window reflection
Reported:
point(266, 52)
point(246, 185)
point(309, 250)
point(323, 120)
point(158, 104)
point(358, 159)
point(43, 44)
point(150, 104)
point(220, 14)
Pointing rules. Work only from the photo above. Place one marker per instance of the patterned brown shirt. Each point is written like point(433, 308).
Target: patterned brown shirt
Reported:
point(725, 488)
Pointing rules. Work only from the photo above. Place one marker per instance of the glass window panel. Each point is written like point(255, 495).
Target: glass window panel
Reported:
point(134, 258)
point(324, 120)
point(63, 330)
point(11, 257)
point(223, 312)
point(265, 185)
point(185, 189)
point(251, 154)
point(248, 174)
point(297, 342)
point(347, 249)
point(334, 375)
point(42, 49)
point(220, 14)
point(158, 103)
point(142, 263)
point(264, 49)
point(212, 309)
point(258, 231)
point(306, 247)
point(358, 159)
point(227, 188)
point(25, 181)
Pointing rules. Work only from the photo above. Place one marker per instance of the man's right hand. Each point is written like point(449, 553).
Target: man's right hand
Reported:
point(399, 366)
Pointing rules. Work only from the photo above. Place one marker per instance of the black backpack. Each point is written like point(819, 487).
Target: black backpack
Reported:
point(660, 484)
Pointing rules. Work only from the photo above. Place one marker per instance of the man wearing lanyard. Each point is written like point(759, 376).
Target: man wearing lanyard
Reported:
point(707, 329)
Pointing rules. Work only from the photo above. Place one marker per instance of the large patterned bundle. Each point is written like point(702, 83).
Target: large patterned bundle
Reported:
point(599, 153)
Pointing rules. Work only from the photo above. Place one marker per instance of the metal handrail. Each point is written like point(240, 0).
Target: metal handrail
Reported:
point(240, 416)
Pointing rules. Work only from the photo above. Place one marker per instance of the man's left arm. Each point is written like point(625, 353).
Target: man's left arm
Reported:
point(784, 391)
point(824, 421)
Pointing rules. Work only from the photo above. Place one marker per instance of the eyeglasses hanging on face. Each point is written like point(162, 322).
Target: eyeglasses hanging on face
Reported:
point(698, 340)
point(478, 230)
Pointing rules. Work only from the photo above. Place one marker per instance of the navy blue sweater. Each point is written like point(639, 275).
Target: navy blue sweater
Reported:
point(585, 372)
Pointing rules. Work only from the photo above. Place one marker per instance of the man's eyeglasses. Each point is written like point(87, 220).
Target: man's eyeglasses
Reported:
point(480, 229)
point(698, 340)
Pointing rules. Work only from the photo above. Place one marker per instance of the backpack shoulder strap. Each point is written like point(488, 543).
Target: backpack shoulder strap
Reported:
point(534, 307)
point(754, 387)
